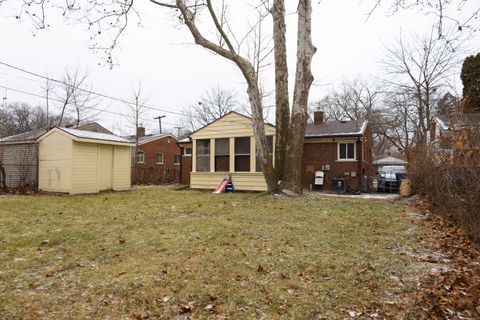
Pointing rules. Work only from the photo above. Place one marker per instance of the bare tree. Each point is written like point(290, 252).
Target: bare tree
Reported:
point(136, 111)
point(213, 104)
point(420, 70)
point(75, 93)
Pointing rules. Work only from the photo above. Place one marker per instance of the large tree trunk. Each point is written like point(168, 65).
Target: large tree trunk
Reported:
point(281, 87)
point(303, 81)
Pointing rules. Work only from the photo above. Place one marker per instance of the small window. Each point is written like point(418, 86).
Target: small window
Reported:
point(176, 159)
point(242, 154)
point(346, 151)
point(159, 158)
point(270, 152)
point(203, 155)
point(187, 151)
point(222, 155)
point(140, 157)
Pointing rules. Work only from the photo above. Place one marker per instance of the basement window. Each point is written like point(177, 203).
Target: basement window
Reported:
point(346, 151)
point(222, 155)
point(242, 154)
point(203, 155)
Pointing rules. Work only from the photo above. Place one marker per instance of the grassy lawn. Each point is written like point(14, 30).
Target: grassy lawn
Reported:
point(157, 253)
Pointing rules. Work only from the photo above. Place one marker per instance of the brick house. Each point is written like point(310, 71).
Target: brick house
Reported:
point(342, 150)
point(158, 159)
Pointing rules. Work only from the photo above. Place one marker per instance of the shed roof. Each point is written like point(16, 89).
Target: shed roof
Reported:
point(337, 128)
point(94, 135)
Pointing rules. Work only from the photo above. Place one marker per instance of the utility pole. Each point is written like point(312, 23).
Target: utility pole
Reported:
point(178, 131)
point(159, 123)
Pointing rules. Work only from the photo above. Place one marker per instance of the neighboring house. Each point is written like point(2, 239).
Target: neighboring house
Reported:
point(19, 159)
point(382, 161)
point(158, 158)
point(341, 149)
point(443, 126)
point(80, 162)
point(227, 146)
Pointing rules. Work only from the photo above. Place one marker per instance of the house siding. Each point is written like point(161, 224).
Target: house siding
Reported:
point(20, 164)
point(243, 181)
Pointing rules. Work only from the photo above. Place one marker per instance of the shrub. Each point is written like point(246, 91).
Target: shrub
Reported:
point(448, 175)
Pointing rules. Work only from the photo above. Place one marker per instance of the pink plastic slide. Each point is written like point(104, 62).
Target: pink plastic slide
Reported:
point(221, 187)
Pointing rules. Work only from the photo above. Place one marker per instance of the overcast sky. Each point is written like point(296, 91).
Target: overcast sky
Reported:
point(174, 72)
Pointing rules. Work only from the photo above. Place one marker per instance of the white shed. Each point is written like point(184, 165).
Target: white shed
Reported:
point(79, 162)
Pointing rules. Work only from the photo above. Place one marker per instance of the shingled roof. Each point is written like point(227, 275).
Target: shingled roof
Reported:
point(336, 129)
point(469, 119)
point(29, 136)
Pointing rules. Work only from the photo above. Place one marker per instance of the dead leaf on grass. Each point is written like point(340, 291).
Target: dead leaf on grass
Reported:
point(186, 307)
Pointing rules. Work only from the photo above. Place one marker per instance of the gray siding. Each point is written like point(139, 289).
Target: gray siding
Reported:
point(20, 163)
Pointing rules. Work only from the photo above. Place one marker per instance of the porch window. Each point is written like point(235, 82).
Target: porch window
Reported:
point(159, 158)
point(140, 157)
point(242, 154)
point(203, 155)
point(187, 151)
point(346, 151)
point(270, 152)
point(222, 155)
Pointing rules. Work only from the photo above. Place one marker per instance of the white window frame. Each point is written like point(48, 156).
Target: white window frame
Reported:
point(141, 155)
point(156, 158)
point(179, 159)
point(185, 154)
point(354, 151)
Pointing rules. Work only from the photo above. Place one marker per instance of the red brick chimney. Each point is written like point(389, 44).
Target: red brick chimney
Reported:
point(317, 117)
point(140, 132)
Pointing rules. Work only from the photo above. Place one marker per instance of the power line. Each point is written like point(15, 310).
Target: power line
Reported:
point(98, 94)
point(89, 91)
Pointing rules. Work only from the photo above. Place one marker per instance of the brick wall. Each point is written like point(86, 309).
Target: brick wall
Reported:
point(151, 172)
point(186, 169)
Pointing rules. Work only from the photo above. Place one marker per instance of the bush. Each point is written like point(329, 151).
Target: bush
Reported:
point(449, 177)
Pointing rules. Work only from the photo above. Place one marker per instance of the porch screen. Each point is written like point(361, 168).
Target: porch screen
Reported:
point(203, 155)
point(242, 154)
point(222, 155)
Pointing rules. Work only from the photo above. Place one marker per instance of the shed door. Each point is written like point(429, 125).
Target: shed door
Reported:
point(106, 167)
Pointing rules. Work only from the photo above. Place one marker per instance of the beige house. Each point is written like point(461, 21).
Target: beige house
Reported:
point(227, 146)
point(78, 162)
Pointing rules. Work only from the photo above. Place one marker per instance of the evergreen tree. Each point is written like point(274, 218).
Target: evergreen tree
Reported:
point(471, 83)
